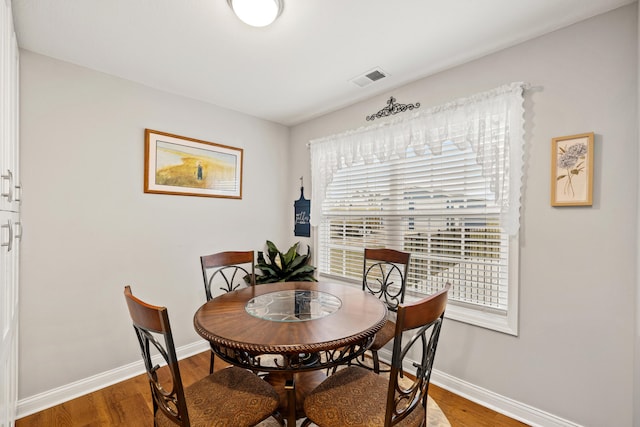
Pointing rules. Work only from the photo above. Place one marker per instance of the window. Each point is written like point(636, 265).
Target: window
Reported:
point(434, 199)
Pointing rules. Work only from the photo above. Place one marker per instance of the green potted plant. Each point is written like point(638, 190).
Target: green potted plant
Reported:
point(291, 266)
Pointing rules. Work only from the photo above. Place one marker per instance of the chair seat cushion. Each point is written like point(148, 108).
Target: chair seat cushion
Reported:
point(354, 397)
point(229, 397)
point(384, 335)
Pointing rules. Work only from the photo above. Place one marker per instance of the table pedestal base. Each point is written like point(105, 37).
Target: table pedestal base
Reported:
point(303, 384)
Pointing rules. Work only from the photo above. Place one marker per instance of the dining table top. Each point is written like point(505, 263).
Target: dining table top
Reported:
point(343, 316)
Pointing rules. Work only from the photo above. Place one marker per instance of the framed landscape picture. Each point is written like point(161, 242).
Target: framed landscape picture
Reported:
point(572, 170)
point(179, 165)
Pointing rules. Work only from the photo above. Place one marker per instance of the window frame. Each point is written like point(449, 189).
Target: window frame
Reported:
point(499, 319)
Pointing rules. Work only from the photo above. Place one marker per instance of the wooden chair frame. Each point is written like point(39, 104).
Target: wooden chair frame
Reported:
point(227, 265)
point(384, 264)
point(424, 318)
point(339, 397)
point(147, 321)
point(250, 399)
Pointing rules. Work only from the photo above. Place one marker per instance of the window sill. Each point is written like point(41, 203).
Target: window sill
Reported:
point(494, 321)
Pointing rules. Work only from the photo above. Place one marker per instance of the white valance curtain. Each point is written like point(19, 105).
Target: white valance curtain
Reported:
point(490, 123)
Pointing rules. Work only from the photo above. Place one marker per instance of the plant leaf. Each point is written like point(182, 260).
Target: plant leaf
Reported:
point(299, 260)
point(300, 273)
point(291, 254)
point(266, 269)
point(279, 267)
point(272, 251)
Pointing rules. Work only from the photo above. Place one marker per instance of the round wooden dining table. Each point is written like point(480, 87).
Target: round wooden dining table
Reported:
point(292, 331)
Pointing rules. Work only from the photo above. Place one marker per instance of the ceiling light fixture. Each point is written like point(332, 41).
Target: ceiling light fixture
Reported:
point(257, 13)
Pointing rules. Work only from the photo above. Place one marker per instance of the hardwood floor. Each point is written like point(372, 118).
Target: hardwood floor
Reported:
point(462, 412)
point(129, 404)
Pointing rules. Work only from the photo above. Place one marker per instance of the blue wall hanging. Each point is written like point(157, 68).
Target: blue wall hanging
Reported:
point(302, 209)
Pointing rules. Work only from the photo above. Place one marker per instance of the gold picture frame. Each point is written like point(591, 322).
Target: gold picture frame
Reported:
point(184, 166)
point(572, 170)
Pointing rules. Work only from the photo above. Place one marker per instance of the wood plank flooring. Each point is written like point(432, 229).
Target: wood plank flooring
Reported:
point(129, 404)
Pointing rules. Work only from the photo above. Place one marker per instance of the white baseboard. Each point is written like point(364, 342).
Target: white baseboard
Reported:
point(501, 404)
point(504, 405)
point(56, 396)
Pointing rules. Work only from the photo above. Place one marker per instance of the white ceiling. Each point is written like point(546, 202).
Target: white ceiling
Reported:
point(299, 67)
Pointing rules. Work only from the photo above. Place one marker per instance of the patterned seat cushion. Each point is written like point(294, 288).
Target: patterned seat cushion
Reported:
point(230, 397)
point(384, 335)
point(353, 397)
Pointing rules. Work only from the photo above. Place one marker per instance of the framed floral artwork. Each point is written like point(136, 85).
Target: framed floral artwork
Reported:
point(179, 165)
point(572, 170)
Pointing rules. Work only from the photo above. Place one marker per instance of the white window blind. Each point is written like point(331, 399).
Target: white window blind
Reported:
point(443, 184)
point(438, 208)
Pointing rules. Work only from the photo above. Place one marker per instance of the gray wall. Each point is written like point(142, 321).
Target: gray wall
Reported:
point(89, 229)
point(575, 352)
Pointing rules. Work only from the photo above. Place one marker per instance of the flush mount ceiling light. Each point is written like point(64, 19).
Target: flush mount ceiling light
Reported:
point(257, 13)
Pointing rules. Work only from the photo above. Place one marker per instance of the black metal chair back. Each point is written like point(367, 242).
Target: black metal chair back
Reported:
point(424, 320)
point(384, 275)
point(151, 324)
point(229, 270)
point(357, 396)
point(231, 396)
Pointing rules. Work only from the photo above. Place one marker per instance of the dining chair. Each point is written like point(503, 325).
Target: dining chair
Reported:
point(229, 270)
point(230, 397)
point(358, 397)
point(384, 274)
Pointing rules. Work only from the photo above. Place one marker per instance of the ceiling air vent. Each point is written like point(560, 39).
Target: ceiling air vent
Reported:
point(369, 77)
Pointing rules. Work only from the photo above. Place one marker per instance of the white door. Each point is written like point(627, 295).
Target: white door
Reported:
point(9, 260)
point(9, 217)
